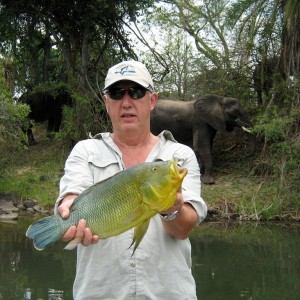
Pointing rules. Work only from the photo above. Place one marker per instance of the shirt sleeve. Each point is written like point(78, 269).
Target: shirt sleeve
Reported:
point(191, 185)
point(77, 176)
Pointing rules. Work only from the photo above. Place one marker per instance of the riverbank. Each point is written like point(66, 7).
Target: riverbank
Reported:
point(12, 209)
point(244, 189)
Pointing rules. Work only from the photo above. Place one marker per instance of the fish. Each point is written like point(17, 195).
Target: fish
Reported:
point(128, 199)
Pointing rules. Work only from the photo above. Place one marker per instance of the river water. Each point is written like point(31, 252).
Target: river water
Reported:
point(230, 261)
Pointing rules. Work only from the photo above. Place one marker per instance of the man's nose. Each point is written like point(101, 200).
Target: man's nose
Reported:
point(126, 99)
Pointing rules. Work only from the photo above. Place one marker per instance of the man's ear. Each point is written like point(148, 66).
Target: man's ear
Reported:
point(105, 102)
point(104, 98)
point(154, 99)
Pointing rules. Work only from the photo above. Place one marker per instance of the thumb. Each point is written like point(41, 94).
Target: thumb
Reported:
point(65, 213)
point(64, 208)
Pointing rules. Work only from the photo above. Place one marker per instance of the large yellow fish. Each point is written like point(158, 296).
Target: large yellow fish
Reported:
point(110, 207)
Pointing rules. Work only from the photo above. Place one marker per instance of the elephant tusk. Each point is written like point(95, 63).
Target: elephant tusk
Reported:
point(246, 129)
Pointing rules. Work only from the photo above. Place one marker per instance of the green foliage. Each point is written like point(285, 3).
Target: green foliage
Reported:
point(276, 126)
point(233, 83)
point(280, 154)
point(52, 89)
point(13, 117)
point(66, 41)
point(86, 117)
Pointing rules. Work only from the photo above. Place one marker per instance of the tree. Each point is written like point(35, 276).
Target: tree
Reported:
point(213, 64)
point(171, 60)
point(230, 38)
point(73, 42)
point(291, 39)
point(12, 115)
point(271, 28)
point(87, 35)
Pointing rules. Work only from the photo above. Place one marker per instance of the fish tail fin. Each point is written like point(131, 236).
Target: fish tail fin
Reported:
point(139, 233)
point(44, 232)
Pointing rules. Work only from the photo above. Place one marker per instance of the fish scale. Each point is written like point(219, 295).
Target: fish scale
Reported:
point(129, 199)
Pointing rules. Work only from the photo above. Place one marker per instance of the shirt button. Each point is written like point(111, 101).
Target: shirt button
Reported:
point(132, 265)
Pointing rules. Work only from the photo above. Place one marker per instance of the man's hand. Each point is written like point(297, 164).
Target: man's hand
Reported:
point(182, 226)
point(177, 205)
point(80, 232)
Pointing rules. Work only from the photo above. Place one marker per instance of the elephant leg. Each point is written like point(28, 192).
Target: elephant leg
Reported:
point(54, 121)
point(57, 122)
point(53, 125)
point(50, 126)
point(203, 136)
point(31, 140)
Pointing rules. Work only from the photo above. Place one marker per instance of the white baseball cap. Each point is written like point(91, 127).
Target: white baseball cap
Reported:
point(129, 70)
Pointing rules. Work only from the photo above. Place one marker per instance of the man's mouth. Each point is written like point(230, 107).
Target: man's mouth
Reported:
point(127, 115)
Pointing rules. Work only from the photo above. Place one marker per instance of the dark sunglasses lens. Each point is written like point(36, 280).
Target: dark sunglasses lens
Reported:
point(116, 94)
point(136, 93)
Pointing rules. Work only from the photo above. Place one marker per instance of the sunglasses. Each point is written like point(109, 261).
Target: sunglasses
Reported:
point(133, 92)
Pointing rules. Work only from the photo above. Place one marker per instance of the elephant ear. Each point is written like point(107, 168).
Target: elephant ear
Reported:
point(209, 109)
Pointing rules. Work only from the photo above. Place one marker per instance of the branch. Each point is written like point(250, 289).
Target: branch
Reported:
point(141, 38)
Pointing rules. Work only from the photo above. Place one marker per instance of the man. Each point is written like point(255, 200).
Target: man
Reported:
point(161, 266)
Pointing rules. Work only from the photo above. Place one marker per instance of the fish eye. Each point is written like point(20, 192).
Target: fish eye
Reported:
point(154, 169)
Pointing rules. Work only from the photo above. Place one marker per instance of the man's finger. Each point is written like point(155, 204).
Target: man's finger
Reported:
point(80, 229)
point(69, 235)
point(88, 237)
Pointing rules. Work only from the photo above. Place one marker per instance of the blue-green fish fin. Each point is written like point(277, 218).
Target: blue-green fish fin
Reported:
point(139, 233)
point(44, 232)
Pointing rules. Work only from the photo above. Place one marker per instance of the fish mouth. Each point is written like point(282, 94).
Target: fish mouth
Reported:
point(175, 171)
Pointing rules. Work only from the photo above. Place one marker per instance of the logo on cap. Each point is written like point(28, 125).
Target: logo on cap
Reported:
point(125, 70)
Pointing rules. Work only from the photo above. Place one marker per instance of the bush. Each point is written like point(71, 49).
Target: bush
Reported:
point(13, 118)
point(280, 153)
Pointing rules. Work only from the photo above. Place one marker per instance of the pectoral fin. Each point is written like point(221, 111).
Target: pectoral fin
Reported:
point(142, 210)
point(139, 233)
point(73, 244)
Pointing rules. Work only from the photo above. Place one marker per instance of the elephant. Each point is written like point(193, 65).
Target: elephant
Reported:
point(45, 106)
point(195, 123)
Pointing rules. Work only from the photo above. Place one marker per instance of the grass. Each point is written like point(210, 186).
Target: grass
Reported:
point(244, 187)
point(243, 195)
point(34, 173)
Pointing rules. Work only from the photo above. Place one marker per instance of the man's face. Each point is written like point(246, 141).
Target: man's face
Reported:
point(132, 108)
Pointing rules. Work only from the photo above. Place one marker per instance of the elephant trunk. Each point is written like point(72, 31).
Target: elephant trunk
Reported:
point(251, 143)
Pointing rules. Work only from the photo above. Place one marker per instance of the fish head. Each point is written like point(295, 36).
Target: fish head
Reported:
point(163, 180)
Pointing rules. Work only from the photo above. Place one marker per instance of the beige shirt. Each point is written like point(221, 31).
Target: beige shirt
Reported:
point(161, 266)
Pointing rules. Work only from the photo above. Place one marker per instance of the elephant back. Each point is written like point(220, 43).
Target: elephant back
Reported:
point(173, 115)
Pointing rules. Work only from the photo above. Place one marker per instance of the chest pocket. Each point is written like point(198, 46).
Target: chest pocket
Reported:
point(103, 167)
